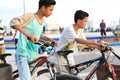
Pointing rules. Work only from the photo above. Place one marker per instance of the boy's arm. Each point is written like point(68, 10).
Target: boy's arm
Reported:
point(14, 35)
point(29, 36)
point(21, 29)
point(88, 43)
point(49, 39)
point(22, 20)
point(19, 24)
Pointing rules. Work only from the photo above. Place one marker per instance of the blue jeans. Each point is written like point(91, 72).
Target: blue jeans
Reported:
point(23, 68)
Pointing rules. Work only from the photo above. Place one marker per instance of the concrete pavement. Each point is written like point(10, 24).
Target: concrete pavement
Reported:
point(56, 35)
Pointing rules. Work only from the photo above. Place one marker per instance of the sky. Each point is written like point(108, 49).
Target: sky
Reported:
point(63, 13)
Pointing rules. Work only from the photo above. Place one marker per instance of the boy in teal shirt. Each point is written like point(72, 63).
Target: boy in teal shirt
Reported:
point(30, 26)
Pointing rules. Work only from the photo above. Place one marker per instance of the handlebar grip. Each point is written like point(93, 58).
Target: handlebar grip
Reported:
point(28, 38)
point(39, 43)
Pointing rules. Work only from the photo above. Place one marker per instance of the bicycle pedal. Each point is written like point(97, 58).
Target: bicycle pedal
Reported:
point(51, 79)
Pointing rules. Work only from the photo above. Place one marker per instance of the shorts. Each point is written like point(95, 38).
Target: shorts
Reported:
point(62, 60)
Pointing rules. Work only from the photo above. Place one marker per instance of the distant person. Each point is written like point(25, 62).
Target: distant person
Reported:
point(16, 37)
point(43, 29)
point(102, 29)
point(2, 43)
point(60, 29)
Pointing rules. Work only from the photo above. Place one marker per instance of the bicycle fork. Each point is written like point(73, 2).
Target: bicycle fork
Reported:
point(111, 69)
point(52, 70)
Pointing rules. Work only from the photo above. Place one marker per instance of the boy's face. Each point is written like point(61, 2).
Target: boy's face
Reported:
point(47, 11)
point(83, 22)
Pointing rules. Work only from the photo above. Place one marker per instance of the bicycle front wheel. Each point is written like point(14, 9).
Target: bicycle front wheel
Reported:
point(44, 74)
point(67, 77)
point(109, 76)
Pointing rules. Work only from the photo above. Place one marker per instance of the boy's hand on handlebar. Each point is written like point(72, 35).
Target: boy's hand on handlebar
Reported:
point(102, 47)
point(33, 38)
point(55, 42)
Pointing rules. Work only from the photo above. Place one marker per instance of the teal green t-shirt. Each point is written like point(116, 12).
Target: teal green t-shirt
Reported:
point(25, 47)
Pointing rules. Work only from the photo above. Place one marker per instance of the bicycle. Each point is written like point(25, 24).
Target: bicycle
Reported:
point(37, 71)
point(5, 69)
point(102, 60)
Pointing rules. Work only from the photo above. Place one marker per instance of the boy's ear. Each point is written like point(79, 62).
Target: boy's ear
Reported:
point(43, 8)
point(79, 20)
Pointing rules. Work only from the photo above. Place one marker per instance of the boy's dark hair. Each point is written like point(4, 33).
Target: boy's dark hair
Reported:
point(46, 3)
point(80, 15)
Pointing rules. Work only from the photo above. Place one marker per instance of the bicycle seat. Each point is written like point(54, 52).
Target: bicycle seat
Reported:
point(4, 55)
point(64, 53)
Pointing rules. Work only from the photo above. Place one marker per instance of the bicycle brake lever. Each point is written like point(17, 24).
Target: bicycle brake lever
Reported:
point(40, 43)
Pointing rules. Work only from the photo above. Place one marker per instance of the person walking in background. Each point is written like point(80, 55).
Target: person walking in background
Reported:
point(2, 43)
point(103, 29)
point(60, 29)
point(30, 26)
point(44, 29)
point(2, 35)
point(15, 37)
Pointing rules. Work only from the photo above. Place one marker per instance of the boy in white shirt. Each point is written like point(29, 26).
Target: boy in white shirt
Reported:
point(73, 35)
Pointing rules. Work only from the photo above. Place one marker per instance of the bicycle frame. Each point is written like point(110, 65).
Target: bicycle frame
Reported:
point(88, 63)
point(38, 62)
point(101, 60)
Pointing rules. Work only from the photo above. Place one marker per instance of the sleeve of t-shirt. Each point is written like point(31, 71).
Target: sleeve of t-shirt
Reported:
point(22, 20)
point(69, 34)
point(82, 34)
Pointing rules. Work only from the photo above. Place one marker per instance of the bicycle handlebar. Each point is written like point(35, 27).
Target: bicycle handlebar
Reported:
point(45, 43)
point(3, 56)
point(108, 48)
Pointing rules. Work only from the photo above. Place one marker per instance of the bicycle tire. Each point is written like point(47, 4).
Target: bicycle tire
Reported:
point(39, 74)
point(42, 72)
point(67, 77)
point(16, 76)
point(59, 76)
point(109, 76)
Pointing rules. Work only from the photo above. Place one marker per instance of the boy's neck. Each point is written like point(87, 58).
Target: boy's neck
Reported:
point(76, 28)
point(39, 16)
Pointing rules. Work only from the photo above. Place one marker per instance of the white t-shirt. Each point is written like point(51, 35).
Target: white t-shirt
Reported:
point(68, 36)
point(67, 42)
